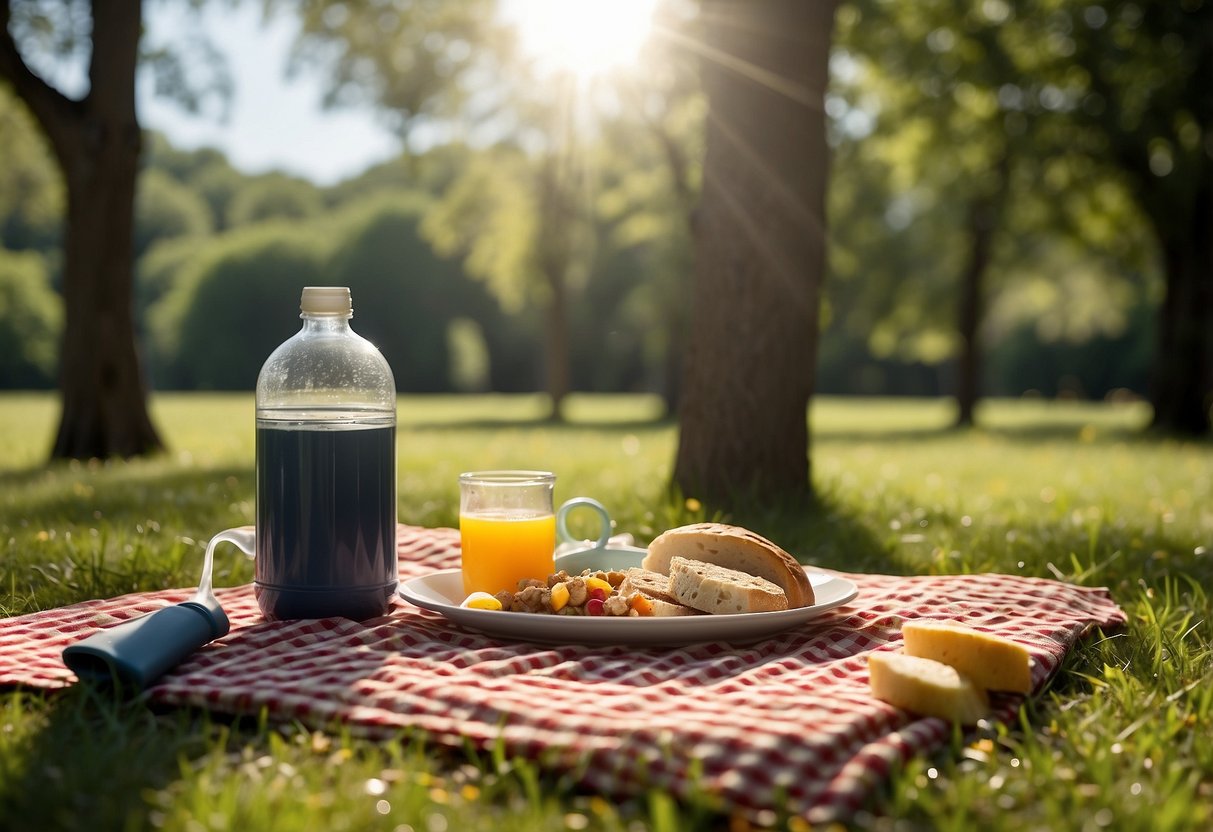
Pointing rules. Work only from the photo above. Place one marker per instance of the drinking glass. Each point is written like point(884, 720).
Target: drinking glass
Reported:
point(508, 528)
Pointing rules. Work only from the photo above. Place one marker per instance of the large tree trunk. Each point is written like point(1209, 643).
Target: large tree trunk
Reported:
point(984, 213)
point(759, 249)
point(555, 247)
point(556, 342)
point(557, 182)
point(1182, 378)
point(97, 144)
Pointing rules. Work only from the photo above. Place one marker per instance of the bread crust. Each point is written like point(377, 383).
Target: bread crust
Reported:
point(655, 588)
point(653, 585)
point(733, 548)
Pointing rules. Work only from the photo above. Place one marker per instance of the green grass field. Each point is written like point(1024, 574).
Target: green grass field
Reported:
point(1123, 739)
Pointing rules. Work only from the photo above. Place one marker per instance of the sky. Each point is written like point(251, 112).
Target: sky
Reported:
point(273, 123)
point(276, 123)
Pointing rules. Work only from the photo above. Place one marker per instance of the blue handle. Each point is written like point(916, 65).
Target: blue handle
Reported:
point(135, 653)
point(562, 528)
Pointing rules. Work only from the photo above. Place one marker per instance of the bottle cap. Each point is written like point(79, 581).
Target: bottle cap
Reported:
point(326, 300)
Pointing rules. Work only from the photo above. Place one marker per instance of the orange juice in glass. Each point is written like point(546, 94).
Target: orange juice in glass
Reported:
point(507, 527)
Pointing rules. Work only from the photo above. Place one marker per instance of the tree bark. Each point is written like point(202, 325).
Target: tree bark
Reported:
point(759, 248)
point(984, 213)
point(554, 257)
point(97, 142)
point(1182, 377)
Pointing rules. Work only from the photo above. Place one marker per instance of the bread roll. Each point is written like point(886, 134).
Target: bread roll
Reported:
point(733, 548)
point(721, 591)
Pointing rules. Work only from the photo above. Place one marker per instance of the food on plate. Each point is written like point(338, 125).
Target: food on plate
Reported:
point(481, 601)
point(654, 588)
point(926, 687)
point(590, 593)
point(991, 662)
point(691, 570)
point(717, 589)
point(733, 548)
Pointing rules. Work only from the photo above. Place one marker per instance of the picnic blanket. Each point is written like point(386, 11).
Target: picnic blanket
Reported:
point(786, 724)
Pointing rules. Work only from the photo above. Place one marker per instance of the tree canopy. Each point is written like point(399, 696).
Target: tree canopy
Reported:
point(1042, 165)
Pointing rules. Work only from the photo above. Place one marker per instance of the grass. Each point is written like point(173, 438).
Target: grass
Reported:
point(1121, 739)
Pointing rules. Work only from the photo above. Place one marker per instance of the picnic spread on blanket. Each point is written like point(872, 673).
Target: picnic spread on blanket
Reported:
point(710, 662)
point(784, 723)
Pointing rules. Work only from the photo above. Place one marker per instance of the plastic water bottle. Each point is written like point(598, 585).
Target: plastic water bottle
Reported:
point(326, 470)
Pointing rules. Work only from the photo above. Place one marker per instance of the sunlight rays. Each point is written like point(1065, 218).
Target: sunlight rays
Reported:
point(813, 99)
point(584, 38)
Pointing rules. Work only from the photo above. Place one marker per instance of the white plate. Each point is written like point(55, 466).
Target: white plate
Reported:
point(442, 592)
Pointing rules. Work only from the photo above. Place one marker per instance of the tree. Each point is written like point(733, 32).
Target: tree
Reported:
point(652, 158)
point(246, 282)
point(165, 209)
point(979, 114)
point(96, 141)
point(760, 252)
point(1130, 86)
point(274, 195)
point(515, 219)
point(1095, 93)
point(929, 85)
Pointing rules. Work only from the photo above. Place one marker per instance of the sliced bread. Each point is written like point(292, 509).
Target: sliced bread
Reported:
point(719, 590)
point(655, 588)
point(734, 548)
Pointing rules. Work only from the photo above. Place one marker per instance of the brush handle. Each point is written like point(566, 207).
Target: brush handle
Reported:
point(135, 653)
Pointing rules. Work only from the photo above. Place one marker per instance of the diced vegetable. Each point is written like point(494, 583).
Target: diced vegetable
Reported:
point(642, 605)
point(560, 596)
point(599, 583)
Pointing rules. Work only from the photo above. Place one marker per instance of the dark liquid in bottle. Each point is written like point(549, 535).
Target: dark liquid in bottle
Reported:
point(326, 521)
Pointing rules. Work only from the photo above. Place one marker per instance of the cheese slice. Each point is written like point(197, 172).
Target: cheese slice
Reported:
point(925, 687)
point(992, 662)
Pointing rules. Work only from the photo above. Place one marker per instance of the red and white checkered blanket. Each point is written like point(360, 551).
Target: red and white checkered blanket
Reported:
point(786, 724)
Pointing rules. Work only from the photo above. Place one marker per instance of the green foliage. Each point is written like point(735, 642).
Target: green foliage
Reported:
point(406, 297)
point(491, 216)
point(274, 196)
point(219, 306)
point(430, 172)
point(943, 108)
point(218, 184)
point(410, 60)
point(31, 318)
point(159, 269)
point(647, 167)
point(164, 209)
point(31, 190)
point(205, 171)
point(234, 304)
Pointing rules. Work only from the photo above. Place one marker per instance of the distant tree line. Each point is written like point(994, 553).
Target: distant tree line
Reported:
point(222, 255)
point(990, 230)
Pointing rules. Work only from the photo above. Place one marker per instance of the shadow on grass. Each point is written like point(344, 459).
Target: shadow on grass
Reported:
point(817, 530)
point(130, 494)
point(1032, 434)
point(605, 425)
point(91, 763)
